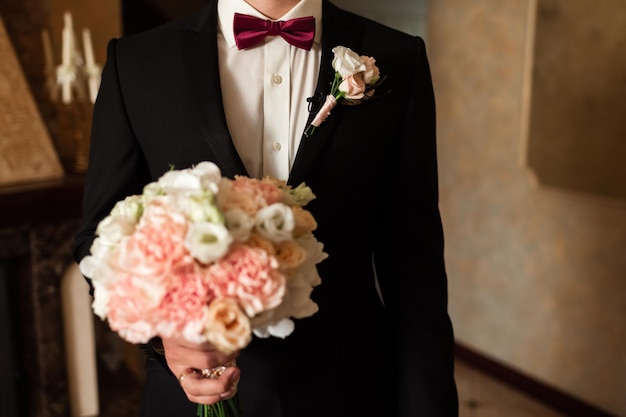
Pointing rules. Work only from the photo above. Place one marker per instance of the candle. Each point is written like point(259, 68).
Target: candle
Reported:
point(92, 69)
point(47, 49)
point(67, 39)
point(66, 65)
point(88, 48)
point(49, 62)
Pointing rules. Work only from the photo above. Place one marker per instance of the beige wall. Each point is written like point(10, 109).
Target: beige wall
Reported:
point(537, 275)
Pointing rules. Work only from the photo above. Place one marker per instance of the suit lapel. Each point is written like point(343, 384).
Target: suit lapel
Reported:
point(207, 96)
point(336, 30)
point(207, 93)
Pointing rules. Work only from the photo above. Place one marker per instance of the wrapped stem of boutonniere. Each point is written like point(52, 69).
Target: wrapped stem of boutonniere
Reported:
point(207, 258)
point(356, 79)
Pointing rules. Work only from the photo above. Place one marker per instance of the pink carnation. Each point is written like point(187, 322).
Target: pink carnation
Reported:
point(156, 245)
point(249, 275)
point(187, 294)
point(130, 304)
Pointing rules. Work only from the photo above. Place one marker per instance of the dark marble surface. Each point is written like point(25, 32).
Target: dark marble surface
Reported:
point(38, 259)
point(37, 225)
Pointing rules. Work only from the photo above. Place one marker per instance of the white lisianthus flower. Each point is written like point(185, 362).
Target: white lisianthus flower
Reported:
point(96, 266)
point(281, 328)
point(88, 265)
point(239, 224)
point(130, 208)
point(207, 242)
point(150, 191)
point(275, 222)
point(202, 208)
point(100, 304)
point(179, 182)
point(209, 175)
point(347, 62)
point(112, 229)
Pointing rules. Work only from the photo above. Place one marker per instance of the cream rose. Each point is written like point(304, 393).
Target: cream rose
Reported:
point(290, 255)
point(353, 86)
point(304, 221)
point(371, 74)
point(227, 326)
point(256, 241)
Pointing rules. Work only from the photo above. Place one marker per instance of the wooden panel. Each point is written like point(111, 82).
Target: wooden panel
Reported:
point(577, 132)
point(26, 150)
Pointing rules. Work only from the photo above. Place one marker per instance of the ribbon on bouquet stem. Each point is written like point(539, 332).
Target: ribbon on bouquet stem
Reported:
point(322, 114)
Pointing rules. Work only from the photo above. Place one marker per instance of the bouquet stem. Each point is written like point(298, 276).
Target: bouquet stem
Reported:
point(224, 408)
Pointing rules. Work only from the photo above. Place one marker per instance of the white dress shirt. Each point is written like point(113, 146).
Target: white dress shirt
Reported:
point(265, 88)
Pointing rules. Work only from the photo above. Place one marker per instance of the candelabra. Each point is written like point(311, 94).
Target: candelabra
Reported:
point(72, 87)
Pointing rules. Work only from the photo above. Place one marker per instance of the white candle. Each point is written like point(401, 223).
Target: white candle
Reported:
point(51, 84)
point(47, 49)
point(92, 69)
point(89, 58)
point(66, 65)
point(67, 39)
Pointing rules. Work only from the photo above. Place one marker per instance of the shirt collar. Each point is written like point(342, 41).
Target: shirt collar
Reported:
point(226, 10)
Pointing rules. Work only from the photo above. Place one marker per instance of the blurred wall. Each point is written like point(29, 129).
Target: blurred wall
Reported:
point(406, 15)
point(537, 274)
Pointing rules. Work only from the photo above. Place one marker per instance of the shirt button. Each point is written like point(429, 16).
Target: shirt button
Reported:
point(276, 146)
point(277, 79)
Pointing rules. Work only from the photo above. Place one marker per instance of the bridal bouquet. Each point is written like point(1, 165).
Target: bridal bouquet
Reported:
point(207, 258)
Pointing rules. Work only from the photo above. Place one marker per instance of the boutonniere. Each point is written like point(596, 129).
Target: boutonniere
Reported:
point(356, 80)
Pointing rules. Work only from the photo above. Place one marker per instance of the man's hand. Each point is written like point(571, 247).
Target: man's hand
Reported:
point(205, 374)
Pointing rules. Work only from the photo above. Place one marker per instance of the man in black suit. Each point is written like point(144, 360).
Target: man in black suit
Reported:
point(381, 343)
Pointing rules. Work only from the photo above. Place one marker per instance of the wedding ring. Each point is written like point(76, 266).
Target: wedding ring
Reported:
point(216, 372)
point(213, 373)
point(187, 372)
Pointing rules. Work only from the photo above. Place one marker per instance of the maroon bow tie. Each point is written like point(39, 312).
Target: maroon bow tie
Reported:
point(250, 30)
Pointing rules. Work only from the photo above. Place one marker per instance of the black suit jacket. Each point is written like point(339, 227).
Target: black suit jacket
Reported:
point(373, 169)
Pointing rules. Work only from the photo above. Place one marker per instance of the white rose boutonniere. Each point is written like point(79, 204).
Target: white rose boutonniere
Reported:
point(356, 80)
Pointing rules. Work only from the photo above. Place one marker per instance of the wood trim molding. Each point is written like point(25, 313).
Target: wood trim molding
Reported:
point(552, 397)
point(41, 202)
